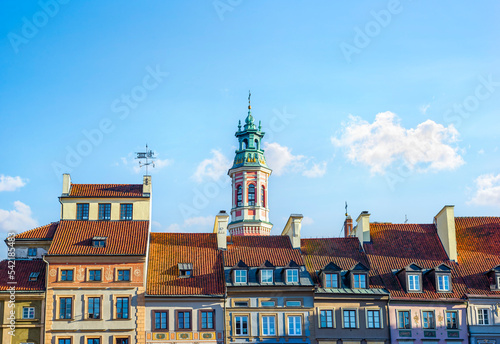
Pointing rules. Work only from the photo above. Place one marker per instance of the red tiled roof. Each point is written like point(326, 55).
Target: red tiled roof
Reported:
point(169, 249)
point(255, 250)
point(105, 190)
point(478, 246)
point(42, 233)
point(23, 269)
point(123, 238)
point(344, 252)
point(395, 246)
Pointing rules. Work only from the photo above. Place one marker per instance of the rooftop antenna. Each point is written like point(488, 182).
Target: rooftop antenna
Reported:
point(346, 214)
point(406, 219)
point(148, 155)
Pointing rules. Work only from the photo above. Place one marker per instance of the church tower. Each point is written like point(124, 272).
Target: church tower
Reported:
point(249, 175)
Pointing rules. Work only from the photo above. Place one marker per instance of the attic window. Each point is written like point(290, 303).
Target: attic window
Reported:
point(413, 282)
point(99, 241)
point(185, 270)
point(34, 276)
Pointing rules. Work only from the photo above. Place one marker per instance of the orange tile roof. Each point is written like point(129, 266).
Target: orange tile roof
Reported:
point(169, 249)
point(23, 269)
point(394, 246)
point(255, 250)
point(105, 190)
point(123, 238)
point(344, 252)
point(478, 246)
point(41, 233)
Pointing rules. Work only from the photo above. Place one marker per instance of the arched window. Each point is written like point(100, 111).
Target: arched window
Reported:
point(262, 196)
point(239, 196)
point(256, 143)
point(245, 144)
point(251, 194)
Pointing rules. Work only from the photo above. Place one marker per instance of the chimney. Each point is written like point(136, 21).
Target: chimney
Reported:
point(66, 184)
point(362, 230)
point(146, 186)
point(348, 226)
point(220, 228)
point(292, 229)
point(445, 224)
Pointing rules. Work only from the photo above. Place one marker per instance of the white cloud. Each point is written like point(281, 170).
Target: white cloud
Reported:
point(317, 170)
point(212, 168)
point(133, 163)
point(487, 190)
point(17, 220)
point(481, 151)
point(198, 224)
point(281, 160)
point(423, 108)
point(307, 221)
point(8, 183)
point(385, 142)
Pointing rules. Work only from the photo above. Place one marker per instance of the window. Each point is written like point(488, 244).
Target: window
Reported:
point(268, 326)
point(34, 276)
point(93, 341)
point(94, 308)
point(251, 194)
point(266, 276)
point(241, 304)
point(82, 211)
point(428, 320)
point(124, 275)
point(207, 320)
point(373, 318)
point(240, 276)
point(404, 319)
point(349, 319)
point(326, 319)
point(28, 312)
point(292, 276)
point(126, 211)
point(94, 275)
point(414, 282)
point(331, 281)
point(482, 317)
point(294, 325)
point(185, 270)
point(64, 341)
point(122, 305)
point(293, 303)
point(262, 196)
point(239, 196)
point(161, 320)
point(359, 281)
point(183, 320)
point(32, 252)
point(121, 340)
point(65, 308)
point(99, 241)
point(268, 303)
point(104, 211)
point(66, 275)
point(444, 283)
point(451, 320)
point(241, 325)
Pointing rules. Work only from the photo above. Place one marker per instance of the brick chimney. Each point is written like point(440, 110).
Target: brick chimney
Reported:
point(348, 226)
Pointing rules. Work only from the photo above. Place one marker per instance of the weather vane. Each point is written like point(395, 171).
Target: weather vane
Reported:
point(148, 155)
point(346, 209)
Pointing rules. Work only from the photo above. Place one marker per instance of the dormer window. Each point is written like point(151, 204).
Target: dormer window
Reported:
point(413, 282)
point(34, 276)
point(292, 276)
point(359, 281)
point(185, 270)
point(494, 278)
point(444, 283)
point(99, 241)
point(330, 276)
point(442, 278)
point(359, 276)
point(331, 280)
point(411, 278)
point(240, 276)
point(266, 276)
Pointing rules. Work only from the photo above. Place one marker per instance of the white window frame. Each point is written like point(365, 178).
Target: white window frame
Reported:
point(291, 325)
point(291, 274)
point(482, 312)
point(238, 325)
point(31, 312)
point(268, 272)
point(446, 283)
point(378, 311)
point(266, 330)
point(240, 276)
point(415, 278)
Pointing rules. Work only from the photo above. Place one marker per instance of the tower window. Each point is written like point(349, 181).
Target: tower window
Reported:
point(239, 196)
point(256, 142)
point(251, 194)
point(262, 196)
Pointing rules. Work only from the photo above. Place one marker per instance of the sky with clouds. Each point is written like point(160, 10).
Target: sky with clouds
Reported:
point(390, 106)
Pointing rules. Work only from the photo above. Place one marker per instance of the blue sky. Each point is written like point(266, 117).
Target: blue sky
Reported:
point(391, 106)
